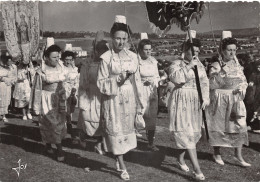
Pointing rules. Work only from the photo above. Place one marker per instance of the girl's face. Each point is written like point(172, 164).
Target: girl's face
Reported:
point(68, 61)
point(230, 52)
point(188, 53)
point(146, 52)
point(119, 40)
point(53, 59)
point(9, 62)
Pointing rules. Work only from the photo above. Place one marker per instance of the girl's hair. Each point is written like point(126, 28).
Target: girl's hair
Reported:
point(53, 48)
point(120, 27)
point(187, 44)
point(142, 43)
point(67, 54)
point(228, 41)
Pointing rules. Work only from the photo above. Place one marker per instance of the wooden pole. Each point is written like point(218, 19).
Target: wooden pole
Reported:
point(198, 86)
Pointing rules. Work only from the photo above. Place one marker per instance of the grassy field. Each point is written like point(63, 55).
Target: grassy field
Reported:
point(21, 140)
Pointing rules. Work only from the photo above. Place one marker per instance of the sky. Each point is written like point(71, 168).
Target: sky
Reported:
point(94, 16)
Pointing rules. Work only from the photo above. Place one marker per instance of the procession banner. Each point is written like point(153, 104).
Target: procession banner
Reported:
point(21, 28)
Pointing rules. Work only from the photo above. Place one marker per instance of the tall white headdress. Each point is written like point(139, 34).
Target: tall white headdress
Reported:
point(226, 34)
point(68, 47)
point(50, 42)
point(120, 19)
point(193, 34)
point(143, 35)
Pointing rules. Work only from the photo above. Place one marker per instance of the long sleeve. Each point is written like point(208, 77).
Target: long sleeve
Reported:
point(204, 83)
point(106, 84)
point(178, 74)
point(137, 88)
point(3, 72)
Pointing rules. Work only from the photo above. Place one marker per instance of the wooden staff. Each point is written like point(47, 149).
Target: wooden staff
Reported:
point(198, 85)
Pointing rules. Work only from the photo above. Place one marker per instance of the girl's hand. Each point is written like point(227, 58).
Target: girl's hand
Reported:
point(194, 62)
point(205, 104)
point(121, 78)
point(237, 91)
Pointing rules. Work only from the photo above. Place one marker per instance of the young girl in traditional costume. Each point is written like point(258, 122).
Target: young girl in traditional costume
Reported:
point(22, 90)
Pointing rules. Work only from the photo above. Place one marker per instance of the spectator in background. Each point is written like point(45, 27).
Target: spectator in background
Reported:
point(249, 65)
point(252, 99)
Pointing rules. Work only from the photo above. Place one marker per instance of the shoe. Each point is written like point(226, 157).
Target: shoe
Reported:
point(98, 150)
point(152, 148)
point(83, 143)
point(60, 157)
point(183, 167)
point(49, 150)
point(29, 116)
point(75, 141)
point(219, 161)
point(199, 177)
point(138, 135)
point(124, 175)
point(24, 118)
point(242, 163)
point(5, 120)
point(82, 140)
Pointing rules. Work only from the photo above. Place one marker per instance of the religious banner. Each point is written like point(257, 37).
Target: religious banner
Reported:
point(21, 28)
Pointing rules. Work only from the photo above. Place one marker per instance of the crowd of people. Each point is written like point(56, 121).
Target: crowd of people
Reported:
point(117, 88)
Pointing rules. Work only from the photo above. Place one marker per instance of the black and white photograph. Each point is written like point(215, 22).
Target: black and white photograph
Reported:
point(148, 91)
